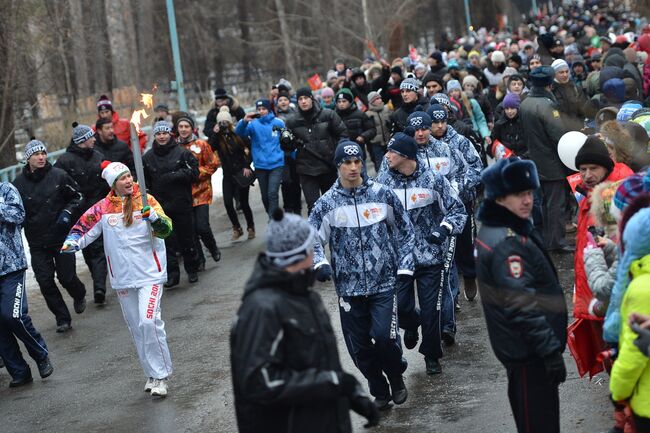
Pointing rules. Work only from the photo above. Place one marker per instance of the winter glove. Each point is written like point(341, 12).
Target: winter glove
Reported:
point(555, 369)
point(324, 273)
point(149, 214)
point(70, 246)
point(643, 340)
point(64, 219)
point(348, 383)
point(366, 408)
point(439, 235)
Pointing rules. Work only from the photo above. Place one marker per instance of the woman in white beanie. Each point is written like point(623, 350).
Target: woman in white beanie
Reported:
point(135, 253)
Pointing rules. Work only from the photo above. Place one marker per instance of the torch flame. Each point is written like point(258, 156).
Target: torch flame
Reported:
point(137, 116)
point(147, 99)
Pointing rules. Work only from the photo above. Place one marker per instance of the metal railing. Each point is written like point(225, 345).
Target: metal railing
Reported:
point(8, 174)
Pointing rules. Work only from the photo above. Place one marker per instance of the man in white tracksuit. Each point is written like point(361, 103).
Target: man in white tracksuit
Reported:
point(135, 254)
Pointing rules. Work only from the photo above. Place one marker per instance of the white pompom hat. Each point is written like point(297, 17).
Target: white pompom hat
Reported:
point(111, 171)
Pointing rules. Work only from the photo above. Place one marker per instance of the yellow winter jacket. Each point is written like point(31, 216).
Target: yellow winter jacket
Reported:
point(631, 372)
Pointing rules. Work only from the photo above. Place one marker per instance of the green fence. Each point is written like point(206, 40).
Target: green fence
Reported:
point(9, 173)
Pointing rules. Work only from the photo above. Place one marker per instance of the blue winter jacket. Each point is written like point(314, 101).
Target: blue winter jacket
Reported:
point(370, 236)
point(430, 202)
point(265, 142)
point(466, 152)
point(12, 216)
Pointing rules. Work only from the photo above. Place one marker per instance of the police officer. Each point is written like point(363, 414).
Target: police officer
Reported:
point(14, 318)
point(436, 212)
point(286, 371)
point(371, 242)
point(524, 305)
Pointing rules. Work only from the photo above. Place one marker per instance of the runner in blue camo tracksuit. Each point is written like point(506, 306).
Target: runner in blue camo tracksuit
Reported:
point(462, 147)
point(14, 320)
point(371, 242)
point(436, 212)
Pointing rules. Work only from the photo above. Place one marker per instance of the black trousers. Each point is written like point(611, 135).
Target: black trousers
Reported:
point(291, 199)
point(534, 401)
point(314, 186)
point(204, 231)
point(183, 239)
point(232, 190)
point(642, 424)
point(95, 259)
point(554, 212)
point(465, 244)
point(45, 263)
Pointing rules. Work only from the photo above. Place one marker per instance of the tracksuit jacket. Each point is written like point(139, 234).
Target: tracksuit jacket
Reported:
point(370, 235)
point(12, 216)
point(471, 170)
point(430, 202)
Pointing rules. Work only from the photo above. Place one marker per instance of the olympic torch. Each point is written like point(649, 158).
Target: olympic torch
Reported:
point(147, 100)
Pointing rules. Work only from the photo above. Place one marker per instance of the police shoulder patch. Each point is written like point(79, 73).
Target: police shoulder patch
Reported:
point(515, 266)
point(556, 114)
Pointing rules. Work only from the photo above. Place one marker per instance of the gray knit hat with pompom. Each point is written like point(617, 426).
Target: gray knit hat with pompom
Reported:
point(289, 238)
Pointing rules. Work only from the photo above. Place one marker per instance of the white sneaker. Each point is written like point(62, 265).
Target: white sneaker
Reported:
point(149, 384)
point(159, 388)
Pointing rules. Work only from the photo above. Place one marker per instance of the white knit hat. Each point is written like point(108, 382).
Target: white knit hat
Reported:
point(111, 171)
point(559, 64)
point(224, 115)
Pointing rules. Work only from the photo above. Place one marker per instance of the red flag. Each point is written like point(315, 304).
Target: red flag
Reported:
point(315, 82)
point(500, 151)
point(585, 341)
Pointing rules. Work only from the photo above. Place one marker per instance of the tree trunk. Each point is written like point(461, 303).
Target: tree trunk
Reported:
point(101, 70)
point(121, 49)
point(7, 78)
point(78, 36)
point(286, 42)
point(145, 40)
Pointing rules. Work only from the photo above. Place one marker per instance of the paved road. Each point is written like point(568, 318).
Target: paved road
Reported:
point(97, 383)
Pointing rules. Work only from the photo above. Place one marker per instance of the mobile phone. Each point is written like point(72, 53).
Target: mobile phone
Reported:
point(255, 115)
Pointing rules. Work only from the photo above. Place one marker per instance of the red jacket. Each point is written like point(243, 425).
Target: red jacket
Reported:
point(582, 295)
point(122, 130)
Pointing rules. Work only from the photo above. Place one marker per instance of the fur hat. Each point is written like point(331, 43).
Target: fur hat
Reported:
point(509, 176)
point(32, 147)
point(594, 151)
point(289, 238)
point(601, 199)
point(542, 76)
point(224, 115)
point(112, 171)
point(347, 150)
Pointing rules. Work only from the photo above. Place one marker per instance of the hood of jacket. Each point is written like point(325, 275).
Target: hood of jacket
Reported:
point(267, 276)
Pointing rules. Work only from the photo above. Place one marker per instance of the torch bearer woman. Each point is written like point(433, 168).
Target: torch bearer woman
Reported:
point(136, 263)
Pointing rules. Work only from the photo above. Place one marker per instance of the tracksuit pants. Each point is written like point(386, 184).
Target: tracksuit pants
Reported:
point(46, 262)
point(534, 401)
point(15, 323)
point(448, 297)
point(370, 330)
point(95, 259)
point(141, 309)
point(431, 282)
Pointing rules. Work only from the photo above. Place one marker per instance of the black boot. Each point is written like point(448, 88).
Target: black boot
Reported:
point(398, 389)
point(432, 365)
point(172, 281)
point(45, 368)
point(21, 381)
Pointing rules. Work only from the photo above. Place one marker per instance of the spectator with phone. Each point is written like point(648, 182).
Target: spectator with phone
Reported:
point(263, 129)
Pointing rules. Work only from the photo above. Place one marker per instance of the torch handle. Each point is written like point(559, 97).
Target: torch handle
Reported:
point(137, 163)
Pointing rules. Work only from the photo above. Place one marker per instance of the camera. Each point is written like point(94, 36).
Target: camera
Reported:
point(596, 231)
point(288, 141)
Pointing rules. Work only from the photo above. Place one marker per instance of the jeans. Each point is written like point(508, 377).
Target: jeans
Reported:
point(370, 330)
point(314, 186)
point(270, 181)
point(230, 187)
point(16, 323)
point(45, 263)
point(431, 284)
point(204, 231)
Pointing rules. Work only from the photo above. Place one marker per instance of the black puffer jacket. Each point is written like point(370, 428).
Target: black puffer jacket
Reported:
point(398, 118)
point(46, 193)
point(523, 301)
point(169, 172)
point(85, 167)
point(511, 134)
point(284, 358)
point(357, 123)
point(116, 151)
point(543, 128)
point(319, 129)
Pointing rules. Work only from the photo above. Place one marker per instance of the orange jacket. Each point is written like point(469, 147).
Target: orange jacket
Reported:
point(122, 130)
point(208, 164)
point(583, 295)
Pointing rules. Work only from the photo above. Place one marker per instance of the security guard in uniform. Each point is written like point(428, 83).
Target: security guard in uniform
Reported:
point(524, 305)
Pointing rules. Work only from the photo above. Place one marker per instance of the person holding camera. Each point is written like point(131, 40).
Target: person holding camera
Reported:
point(237, 174)
point(314, 132)
point(263, 129)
